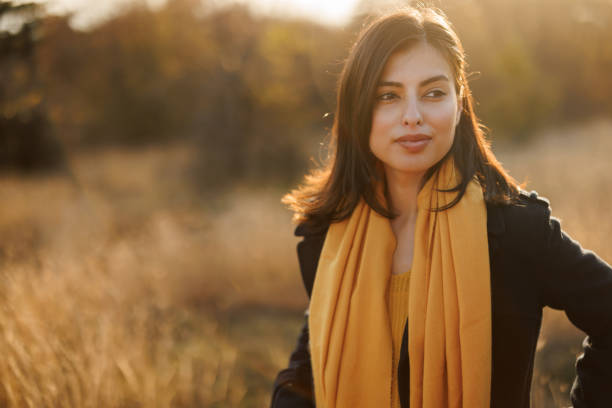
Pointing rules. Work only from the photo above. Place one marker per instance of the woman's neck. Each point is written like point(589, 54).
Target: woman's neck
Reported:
point(403, 189)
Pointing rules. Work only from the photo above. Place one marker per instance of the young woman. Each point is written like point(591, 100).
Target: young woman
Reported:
point(432, 266)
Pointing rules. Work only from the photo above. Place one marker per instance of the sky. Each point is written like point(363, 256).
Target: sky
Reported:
point(88, 13)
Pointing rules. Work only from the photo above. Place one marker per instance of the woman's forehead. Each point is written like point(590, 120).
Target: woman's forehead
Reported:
point(416, 64)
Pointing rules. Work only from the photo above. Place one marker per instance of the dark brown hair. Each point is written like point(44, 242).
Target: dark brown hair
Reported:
point(331, 192)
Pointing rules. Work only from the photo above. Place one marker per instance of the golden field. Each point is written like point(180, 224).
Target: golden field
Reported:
point(120, 287)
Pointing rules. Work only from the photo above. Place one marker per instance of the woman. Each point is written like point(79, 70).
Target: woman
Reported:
point(432, 266)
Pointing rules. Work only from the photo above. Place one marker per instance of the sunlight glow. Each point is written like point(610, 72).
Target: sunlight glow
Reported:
point(88, 13)
point(332, 12)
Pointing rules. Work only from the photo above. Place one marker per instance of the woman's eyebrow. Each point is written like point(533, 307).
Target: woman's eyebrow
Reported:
point(391, 83)
point(434, 79)
point(422, 83)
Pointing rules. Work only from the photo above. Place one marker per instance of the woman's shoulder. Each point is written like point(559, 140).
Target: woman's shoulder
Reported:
point(527, 205)
point(525, 222)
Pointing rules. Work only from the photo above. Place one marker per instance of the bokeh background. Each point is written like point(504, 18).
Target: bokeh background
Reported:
point(145, 258)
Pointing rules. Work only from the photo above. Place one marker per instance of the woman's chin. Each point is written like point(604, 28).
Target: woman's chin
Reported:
point(412, 169)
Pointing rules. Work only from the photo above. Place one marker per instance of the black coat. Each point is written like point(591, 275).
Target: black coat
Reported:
point(533, 264)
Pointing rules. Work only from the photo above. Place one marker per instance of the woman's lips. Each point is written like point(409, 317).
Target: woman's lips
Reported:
point(414, 143)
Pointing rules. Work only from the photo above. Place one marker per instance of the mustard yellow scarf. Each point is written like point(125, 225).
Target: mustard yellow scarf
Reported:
point(449, 323)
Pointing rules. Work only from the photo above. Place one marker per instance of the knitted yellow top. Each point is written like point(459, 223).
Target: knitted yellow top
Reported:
point(398, 313)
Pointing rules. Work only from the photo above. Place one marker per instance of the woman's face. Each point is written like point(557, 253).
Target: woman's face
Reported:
point(416, 111)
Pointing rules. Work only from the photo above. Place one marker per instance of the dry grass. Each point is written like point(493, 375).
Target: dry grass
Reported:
point(111, 288)
point(127, 290)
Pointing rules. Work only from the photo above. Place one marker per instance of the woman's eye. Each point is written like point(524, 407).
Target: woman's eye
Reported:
point(387, 96)
point(436, 93)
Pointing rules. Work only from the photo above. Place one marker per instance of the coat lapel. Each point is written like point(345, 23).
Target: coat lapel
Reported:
point(495, 227)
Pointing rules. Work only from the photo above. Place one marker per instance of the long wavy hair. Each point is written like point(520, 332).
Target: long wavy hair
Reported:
point(331, 192)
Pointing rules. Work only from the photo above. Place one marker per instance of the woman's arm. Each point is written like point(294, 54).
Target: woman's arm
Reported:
point(293, 386)
point(580, 283)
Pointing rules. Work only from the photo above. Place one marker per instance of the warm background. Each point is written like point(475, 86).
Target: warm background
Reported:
point(145, 258)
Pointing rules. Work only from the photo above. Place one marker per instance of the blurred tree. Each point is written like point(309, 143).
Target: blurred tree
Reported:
point(26, 142)
point(249, 92)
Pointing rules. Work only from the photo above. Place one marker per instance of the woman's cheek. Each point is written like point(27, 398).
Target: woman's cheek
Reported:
point(384, 117)
point(443, 122)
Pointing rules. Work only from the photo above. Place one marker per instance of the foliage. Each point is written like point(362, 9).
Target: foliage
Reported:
point(249, 93)
point(539, 62)
point(25, 140)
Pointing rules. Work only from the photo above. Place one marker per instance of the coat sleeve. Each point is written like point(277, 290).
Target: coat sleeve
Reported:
point(293, 387)
point(580, 283)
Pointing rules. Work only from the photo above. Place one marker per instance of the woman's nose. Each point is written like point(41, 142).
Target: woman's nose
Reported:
point(412, 115)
